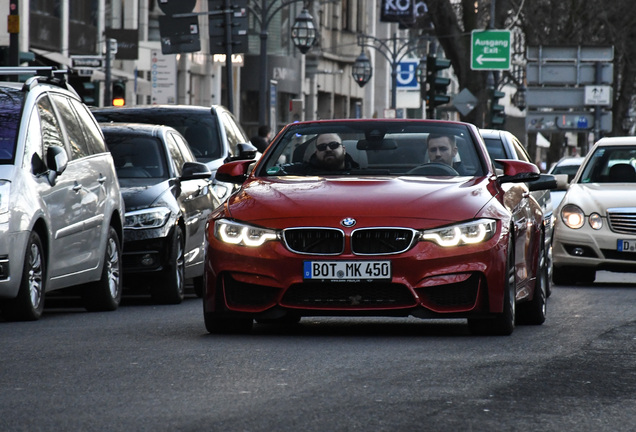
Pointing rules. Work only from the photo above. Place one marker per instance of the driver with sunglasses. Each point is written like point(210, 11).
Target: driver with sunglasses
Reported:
point(330, 154)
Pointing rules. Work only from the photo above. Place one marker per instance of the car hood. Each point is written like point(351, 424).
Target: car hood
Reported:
point(325, 201)
point(138, 194)
point(597, 197)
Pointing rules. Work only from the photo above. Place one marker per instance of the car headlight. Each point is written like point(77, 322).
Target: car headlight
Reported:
point(154, 217)
point(5, 194)
point(242, 234)
point(572, 216)
point(465, 233)
point(596, 221)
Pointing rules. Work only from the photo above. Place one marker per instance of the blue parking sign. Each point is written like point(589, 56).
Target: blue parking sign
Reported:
point(407, 74)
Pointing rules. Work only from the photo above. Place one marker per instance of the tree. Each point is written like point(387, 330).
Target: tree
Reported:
point(539, 22)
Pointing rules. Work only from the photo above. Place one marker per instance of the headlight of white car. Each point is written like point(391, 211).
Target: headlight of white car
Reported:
point(465, 233)
point(596, 221)
point(154, 217)
point(242, 234)
point(572, 216)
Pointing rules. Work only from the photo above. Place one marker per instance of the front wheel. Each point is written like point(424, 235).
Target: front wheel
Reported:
point(29, 303)
point(534, 311)
point(105, 294)
point(169, 288)
point(503, 324)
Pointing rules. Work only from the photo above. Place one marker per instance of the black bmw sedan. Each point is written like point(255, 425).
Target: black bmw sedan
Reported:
point(168, 198)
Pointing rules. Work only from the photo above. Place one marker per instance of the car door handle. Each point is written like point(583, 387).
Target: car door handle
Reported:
point(101, 179)
point(77, 187)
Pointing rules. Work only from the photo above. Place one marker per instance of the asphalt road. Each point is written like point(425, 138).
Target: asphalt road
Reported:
point(154, 368)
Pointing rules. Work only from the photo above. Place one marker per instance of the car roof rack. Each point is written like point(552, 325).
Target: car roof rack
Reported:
point(45, 71)
point(41, 74)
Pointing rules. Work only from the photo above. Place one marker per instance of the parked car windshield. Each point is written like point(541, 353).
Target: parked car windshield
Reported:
point(374, 148)
point(138, 157)
point(198, 127)
point(10, 108)
point(611, 165)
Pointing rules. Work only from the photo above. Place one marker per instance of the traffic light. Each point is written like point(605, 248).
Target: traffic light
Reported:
point(497, 115)
point(89, 92)
point(119, 93)
point(437, 86)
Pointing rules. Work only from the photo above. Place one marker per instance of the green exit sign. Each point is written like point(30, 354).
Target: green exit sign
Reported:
point(490, 50)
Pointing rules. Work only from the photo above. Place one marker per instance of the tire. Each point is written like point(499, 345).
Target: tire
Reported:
point(218, 325)
point(105, 294)
point(169, 287)
point(534, 311)
point(503, 324)
point(29, 303)
point(198, 283)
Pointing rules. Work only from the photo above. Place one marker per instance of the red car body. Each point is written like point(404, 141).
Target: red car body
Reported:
point(389, 261)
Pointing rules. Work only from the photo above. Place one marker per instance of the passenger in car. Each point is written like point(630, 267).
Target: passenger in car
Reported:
point(443, 149)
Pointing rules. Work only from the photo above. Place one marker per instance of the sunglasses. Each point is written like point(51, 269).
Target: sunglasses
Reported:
point(332, 145)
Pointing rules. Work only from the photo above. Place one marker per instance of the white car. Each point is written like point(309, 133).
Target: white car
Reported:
point(596, 225)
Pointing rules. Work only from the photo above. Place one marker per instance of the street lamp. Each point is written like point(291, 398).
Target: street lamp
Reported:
point(303, 36)
point(304, 32)
point(392, 52)
point(362, 69)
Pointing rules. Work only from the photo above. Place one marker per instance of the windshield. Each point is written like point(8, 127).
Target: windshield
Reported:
point(137, 157)
point(199, 128)
point(10, 109)
point(374, 148)
point(611, 165)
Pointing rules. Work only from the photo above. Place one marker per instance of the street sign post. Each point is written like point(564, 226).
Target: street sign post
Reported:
point(598, 95)
point(490, 50)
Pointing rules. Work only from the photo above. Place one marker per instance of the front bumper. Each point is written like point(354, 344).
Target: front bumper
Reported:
point(12, 250)
point(597, 249)
point(426, 281)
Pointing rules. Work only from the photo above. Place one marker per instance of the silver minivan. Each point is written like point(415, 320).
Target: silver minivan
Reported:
point(61, 209)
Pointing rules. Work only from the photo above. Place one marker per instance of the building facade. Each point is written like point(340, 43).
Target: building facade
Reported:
point(315, 85)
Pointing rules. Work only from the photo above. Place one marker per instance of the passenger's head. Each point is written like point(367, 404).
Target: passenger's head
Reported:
point(330, 153)
point(441, 148)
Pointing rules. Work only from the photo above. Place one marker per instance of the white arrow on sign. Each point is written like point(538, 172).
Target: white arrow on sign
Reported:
point(481, 59)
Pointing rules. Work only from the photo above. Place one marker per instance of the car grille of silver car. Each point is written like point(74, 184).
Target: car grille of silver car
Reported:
point(364, 241)
point(622, 220)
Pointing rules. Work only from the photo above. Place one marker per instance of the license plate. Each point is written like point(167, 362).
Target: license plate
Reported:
point(626, 245)
point(347, 270)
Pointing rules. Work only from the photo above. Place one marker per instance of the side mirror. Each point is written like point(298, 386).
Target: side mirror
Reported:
point(563, 181)
point(516, 171)
point(195, 171)
point(245, 151)
point(544, 182)
point(234, 172)
point(56, 161)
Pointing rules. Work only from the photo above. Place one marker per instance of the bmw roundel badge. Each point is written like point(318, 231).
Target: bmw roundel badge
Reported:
point(348, 222)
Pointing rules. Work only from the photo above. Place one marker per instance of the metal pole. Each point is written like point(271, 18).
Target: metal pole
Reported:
point(263, 73)
point(14, 51)
point(597, 108)
point(108, 101)
point(394, 66)
point(228, 56)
